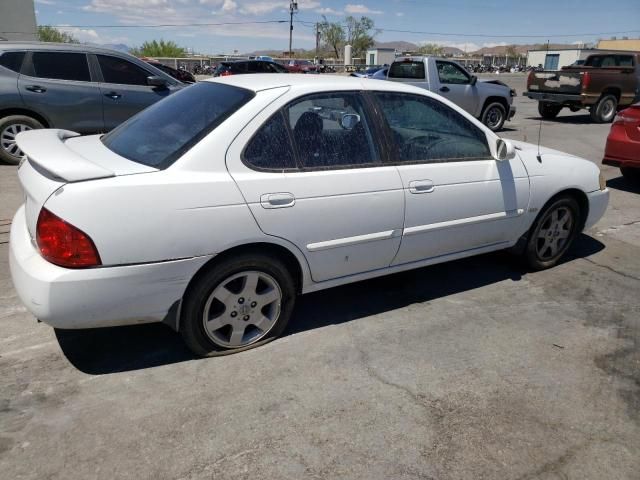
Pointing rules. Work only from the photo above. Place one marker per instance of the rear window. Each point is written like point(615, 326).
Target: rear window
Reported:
point(407, 69)
point(12, 60)
point(160, 134)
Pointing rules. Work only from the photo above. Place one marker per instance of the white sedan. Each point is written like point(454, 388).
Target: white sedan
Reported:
point(214, 208)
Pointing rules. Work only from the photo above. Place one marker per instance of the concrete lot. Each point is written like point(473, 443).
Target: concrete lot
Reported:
point(470, 370)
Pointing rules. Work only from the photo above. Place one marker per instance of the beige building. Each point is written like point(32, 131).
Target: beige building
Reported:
point(628, 44)
point(17, 20)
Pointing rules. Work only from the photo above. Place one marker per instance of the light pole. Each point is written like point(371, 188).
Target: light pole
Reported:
point(293, 8)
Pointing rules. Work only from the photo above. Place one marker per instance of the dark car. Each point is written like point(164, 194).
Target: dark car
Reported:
point(74, 87)
point(240, 67)
point(178, 74)
point(301, 66)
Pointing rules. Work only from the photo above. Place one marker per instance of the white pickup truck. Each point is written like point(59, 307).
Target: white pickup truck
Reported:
point(490, 101)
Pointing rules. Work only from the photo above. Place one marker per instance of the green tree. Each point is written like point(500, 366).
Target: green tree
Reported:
point(360, 34)
point(51, 34)
point(160, 48)
point(431, 49)
point(332, 35)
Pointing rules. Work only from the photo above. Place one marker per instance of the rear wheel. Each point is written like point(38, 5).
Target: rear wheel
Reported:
point(10, 127)
point(494, 116)
point(243, 302)
point(604, 110)
point(548, 111)
point(631, 174)
point(552, 233)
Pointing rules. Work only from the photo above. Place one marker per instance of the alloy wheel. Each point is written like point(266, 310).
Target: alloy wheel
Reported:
point(242, 309)
point(8, 138)
point(554, 233)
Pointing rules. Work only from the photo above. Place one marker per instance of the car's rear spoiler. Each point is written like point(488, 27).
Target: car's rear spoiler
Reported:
point(46, 149)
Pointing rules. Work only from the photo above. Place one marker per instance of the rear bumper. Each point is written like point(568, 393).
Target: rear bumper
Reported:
point(555, 97)
point(95, 297)
point(598, 202)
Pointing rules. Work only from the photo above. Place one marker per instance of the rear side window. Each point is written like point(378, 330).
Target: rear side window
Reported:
point(160, 134)
point(118, 70)
point(270, 148)
point(61, 66)
point(12, 60)
point(407, 69)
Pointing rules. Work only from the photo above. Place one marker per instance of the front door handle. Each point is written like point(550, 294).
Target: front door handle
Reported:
point(36, 88)
point(444, 89)
point(421, 186)
point(113, 95)
point(277, 200)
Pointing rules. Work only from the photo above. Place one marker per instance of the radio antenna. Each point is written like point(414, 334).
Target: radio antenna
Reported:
point(539, 157)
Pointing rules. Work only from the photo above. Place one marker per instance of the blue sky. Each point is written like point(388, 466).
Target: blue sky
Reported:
point(469, 24)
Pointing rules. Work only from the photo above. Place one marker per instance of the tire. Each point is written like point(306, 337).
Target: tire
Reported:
point(494, 115)
point(631, 174)
point(550, 236)
point(9, 127)
point(548, 111)
point(604, 110)
point(241, 283)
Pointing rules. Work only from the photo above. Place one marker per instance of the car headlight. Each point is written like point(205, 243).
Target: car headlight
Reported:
point(603, 181)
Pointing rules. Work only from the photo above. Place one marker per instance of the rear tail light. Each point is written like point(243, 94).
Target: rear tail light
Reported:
point(586, 80)
point(225, 73)
point(63, 244)
point(530, 79)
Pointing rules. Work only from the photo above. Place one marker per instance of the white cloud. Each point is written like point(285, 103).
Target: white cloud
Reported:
point(45, 2)
point(229, 6)
point(360, 8)
point(327, 11)
point(89, 35)
point(399, 14)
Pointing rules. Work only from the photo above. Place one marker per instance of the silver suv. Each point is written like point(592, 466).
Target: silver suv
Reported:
point(75, 87)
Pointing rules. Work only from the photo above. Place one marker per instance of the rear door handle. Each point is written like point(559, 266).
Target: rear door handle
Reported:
point(277, 200)
point(444, 89)
point(113, 95)
point(421, 186)
point(36, 88)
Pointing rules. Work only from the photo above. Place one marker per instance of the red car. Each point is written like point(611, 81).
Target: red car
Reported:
point(301, 66)
point(623, 143)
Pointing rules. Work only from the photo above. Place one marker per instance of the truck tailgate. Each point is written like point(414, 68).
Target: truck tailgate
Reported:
point(568, 83)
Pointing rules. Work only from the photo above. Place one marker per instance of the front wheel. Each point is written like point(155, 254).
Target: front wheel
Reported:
point(552, 233)
point(494, 116)
point(241, 303)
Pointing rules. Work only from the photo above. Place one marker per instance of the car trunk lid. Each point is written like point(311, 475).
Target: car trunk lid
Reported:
point(54, 158)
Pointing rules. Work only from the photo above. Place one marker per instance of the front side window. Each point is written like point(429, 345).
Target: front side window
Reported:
point(61, 66)
point(425, 130)
point(12, 60)
point(270, 148)
point(161, 133)
point(331, 130)
point(117, 70)
point(451, 74)
point(407, 69)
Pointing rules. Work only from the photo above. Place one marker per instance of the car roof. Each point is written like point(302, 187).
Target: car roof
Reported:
point(79, 47)
point(265, 81)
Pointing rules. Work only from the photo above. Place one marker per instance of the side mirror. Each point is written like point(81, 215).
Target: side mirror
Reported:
point(349, 121)
point(156, 81)
point(504, 150)
point(474, 80)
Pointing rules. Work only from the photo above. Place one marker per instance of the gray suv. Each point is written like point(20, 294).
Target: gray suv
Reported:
point(75, 87)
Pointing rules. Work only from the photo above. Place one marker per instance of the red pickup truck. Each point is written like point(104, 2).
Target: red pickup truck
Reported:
point(603, 84)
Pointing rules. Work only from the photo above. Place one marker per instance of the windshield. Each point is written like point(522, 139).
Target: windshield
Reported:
point(160, 134)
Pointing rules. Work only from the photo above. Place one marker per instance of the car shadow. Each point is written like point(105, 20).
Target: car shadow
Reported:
point(568, 119)
point(120, 349)
point(621, 183)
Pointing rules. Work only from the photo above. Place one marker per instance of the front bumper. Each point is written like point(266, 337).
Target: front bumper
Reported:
point(94, 297)
point(512, 112)
point(598, 202)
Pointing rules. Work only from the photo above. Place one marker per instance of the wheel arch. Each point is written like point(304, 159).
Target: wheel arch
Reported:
point(6, 112)
point(613, 90)
point(495, 99)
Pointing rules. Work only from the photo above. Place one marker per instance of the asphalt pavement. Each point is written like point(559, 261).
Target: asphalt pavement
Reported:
point(476, 369)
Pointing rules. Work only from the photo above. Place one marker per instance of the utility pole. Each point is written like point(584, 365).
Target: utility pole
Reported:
point(317, 40)
point(293, 8)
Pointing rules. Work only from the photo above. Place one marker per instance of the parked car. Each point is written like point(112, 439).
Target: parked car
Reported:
point(179, 74)
point(301, 66)
point(623, 143)
point(240, 67)
point(490, 102)
point(73, 87)
point(213, 209)
point(604, 83)
point(368, 72)
point(266, 58)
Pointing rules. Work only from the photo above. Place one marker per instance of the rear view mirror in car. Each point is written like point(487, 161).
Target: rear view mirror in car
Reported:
point(349, 121)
